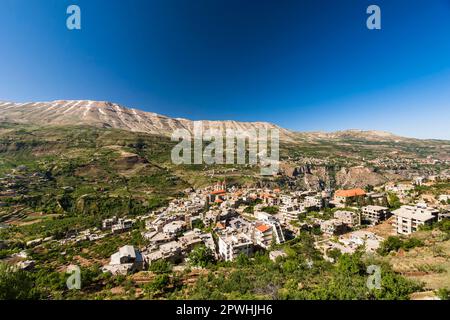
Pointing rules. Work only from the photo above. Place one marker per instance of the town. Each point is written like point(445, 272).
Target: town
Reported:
point(232, 221)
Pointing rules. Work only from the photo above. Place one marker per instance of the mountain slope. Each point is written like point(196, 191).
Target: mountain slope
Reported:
point(111, 115)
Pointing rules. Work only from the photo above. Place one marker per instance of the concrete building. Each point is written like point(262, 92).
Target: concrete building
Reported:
point(409, 218)
point(290, 212)
point(263, 235)
point(351, 219)
point(127, 259)
point(174, 227)
point(375, 214)
point(122, 225)
point(234, 244)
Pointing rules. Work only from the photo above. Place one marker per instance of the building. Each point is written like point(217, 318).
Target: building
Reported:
point(351, 219)
point(409, 218)
point(375, 214)
point(122, 225)
point(174, 227)
point(263, 235)
point(127, 259)
point(234, 244)
point(291, 212)
point(313, 202)
point(272, 221)
point(108, 223)
point(345, 196)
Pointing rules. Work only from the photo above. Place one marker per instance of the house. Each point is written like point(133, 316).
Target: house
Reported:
point(190, 240)
point(174, 227)
point(108, 223)
point(375, 214)
point(122, 225)
point(313, 202)
point(171, 251)
point(352, 219)
point(263, 235)
point(409, 218)
point(231, 245)
point(346, 196)
point(127, 259)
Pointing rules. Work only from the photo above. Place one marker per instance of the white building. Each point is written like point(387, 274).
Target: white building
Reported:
point(409, 218)
point(291, 212)
point(274, 223)
point(127, 259)
point(174, 227)
point(232, 245)
point(122, 225)
point(263, 235)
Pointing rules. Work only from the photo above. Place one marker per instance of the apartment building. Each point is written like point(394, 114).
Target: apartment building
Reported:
point(263, 235)
point(408, 219)
point(274, 223)
point(231, 245)
point(290, 212)
point(375, 214)
point(351, 219)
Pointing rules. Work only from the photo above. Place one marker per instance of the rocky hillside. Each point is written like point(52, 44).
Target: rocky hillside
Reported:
point(110, 115)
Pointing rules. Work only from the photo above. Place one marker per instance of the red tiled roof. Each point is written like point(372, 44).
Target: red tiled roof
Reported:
point(218, 192)
point(220, 225)
point(350, 193)
point(263, 227)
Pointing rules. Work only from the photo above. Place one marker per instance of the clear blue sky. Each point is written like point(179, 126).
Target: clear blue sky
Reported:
point(305, 65)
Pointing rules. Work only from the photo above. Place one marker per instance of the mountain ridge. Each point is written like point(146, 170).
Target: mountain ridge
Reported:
point(112, 115)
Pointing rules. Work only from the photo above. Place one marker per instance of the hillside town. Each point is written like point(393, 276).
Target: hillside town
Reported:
point(232, 221)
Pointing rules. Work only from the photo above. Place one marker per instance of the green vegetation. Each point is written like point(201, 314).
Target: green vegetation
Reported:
point(201, 256)
point(270, 209)
point(303, 274)
point(395, 243)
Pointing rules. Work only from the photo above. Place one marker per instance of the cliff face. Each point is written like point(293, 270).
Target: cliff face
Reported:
point(358, 177)
point(320, 177)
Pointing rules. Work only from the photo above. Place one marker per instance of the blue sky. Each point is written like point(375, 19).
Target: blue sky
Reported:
point(305, 65)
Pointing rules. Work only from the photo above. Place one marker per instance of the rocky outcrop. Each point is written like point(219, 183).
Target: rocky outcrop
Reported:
point(355, 177)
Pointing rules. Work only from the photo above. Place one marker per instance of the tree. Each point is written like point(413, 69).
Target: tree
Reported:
point(393, 201)
point(157, 286)
point(201, 256)
point(390, 244)
point(270, 210)
point(16, 284)
point(160, 266)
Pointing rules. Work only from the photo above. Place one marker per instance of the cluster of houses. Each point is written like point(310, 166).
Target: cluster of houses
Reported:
point(216, 218)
